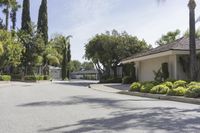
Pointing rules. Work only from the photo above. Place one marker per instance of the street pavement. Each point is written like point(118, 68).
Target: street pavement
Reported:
point(65, 107)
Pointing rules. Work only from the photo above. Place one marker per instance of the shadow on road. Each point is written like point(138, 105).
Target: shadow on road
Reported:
point(151, 119)
point(80, 83)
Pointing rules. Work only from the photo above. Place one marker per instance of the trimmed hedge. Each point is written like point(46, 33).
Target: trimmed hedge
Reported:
point(136, 86)
point(169, 84)
point(180, 83)
point(179, 88)
point(147, 87)
point(193, 91)
point(35, 77)
point(159, 89)
point(5, 77)
point(180, 91)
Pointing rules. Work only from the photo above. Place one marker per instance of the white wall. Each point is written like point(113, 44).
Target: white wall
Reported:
point(145, 68)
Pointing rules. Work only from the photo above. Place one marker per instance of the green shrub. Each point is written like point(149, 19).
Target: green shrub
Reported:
point(193, 91)
point(168, 84)
point(127, 80)
point(180, 83)
point(39, 77)
point(5, 77)
point(111, 80)
point(16, 77)
point(47, 77)
point(194, 83)
point(136, 86)
point(180, 91)
point(147, 87)
point(30, 78)
point(159, 89)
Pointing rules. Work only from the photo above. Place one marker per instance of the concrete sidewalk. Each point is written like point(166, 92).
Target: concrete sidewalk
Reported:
point(112, 88)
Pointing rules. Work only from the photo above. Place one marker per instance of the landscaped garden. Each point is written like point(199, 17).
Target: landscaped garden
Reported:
point(176, 88)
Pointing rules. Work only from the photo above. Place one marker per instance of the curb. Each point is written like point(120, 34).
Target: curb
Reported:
point(99, 87)
point(162, 97)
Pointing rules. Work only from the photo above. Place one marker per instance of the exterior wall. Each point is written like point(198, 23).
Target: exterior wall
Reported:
point(144, 69)
point(180, 73)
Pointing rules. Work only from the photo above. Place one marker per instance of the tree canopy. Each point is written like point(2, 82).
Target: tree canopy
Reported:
point(108, 49)
point(168, 37)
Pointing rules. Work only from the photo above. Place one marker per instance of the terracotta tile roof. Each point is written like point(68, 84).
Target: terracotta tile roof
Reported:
point(180, 44)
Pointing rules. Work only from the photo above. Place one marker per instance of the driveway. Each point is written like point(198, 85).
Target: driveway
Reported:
point(75, 108)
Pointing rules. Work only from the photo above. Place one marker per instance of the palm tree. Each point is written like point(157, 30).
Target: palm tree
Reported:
point(13, 13)
point(192, 41)
point(193, 60)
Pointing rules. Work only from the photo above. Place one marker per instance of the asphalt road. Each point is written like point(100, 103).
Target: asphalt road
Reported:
point(75, 108)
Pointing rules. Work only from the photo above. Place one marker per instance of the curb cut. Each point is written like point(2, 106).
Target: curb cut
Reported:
point(162, 97)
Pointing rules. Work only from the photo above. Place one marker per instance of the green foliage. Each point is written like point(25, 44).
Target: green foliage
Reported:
point(193, 91)
point(16, 77)
point(186, 34)
point(30, 78)
point(43, 21)
point(111, 80)
point(75, 65)
point(147, 87)
point(11, 49)
point(193, 84)
point(5, 77)
point(168, 38)
point(123, 45)
point(136, 86)
point(127, 80)
point(87, 66)
point(158, 75)
point(168, 84)
point(180, 91)
point(33, 77)
point(129, 70)
point(180, 83)
point(159, 89)
point(26, 19)
point(47, 77)
point(34, 48)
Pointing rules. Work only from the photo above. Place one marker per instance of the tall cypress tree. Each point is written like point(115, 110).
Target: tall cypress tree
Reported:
point(43, 21)
point(26, 19)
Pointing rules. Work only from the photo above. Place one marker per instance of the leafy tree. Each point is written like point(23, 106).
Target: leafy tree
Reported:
point(7, 4)
point(87, 66)
point(187, 34)
point(75, 65)
point(169, 37)
point(107, 50)
point(61, 43)
point(34, 48)
point(26, 19)
point(10, 50)
point(43, 21)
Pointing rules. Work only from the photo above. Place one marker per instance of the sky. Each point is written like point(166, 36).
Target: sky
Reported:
point(83, 19)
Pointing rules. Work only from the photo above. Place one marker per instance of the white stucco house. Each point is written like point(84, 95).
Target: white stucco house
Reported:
point(175, 54)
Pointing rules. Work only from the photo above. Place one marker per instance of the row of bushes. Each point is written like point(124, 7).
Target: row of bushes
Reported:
point(5, 77)
point(36, 77)
point(177, 88)
point(26, 78)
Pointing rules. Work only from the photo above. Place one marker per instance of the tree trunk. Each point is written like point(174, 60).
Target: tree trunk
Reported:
point(7, 16)
point(193, 60)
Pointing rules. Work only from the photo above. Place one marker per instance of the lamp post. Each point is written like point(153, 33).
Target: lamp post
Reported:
point(192, 42)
